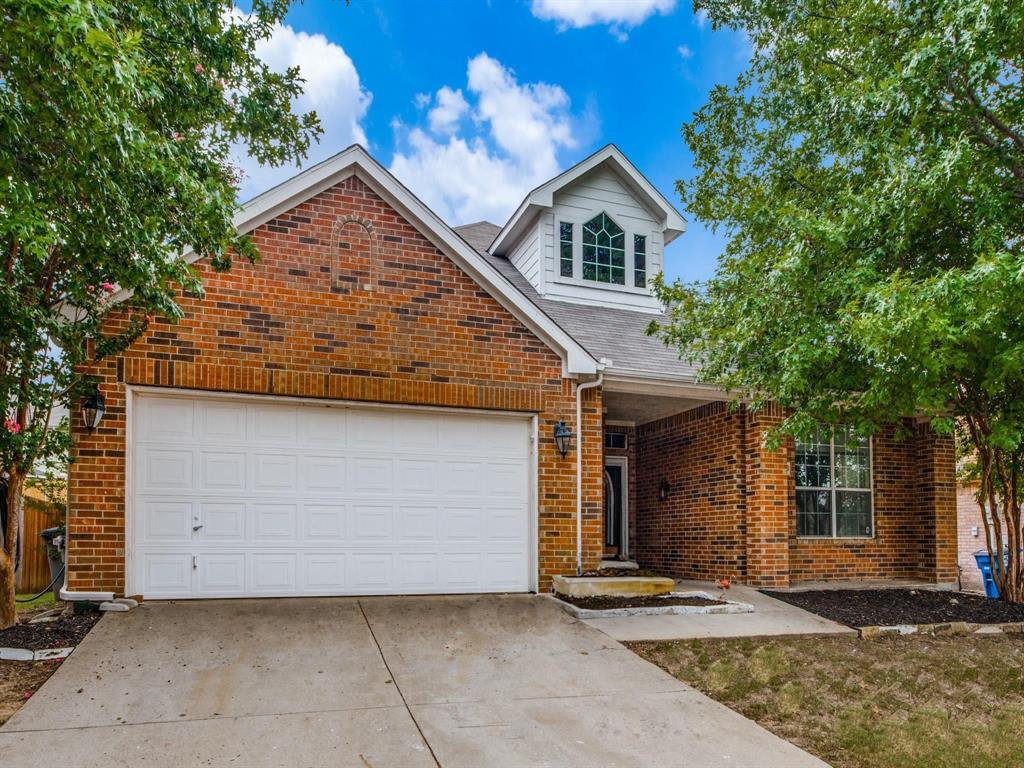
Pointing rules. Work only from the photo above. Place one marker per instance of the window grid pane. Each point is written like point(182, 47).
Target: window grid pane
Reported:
point(833, 479)
point(565, 249)
point(604, 251)
point(640, 261)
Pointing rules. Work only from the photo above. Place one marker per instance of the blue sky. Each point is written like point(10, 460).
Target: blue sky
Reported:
point(471, 104)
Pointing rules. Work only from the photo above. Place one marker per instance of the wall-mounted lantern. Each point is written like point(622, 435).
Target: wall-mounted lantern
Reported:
point(563, 438)
point(93, 407)
point(663, 490)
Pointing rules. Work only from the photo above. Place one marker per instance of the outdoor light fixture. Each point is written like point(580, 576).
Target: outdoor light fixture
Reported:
point(563, 438)
point(663, 490)
point(93, 408)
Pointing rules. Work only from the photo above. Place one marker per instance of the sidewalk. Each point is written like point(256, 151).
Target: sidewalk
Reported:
point(771, 617)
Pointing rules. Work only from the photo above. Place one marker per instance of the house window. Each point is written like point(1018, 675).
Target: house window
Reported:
point(640, 261)
point(604, 251)
point(833, 485)
point(615, 440)
point(565, 249)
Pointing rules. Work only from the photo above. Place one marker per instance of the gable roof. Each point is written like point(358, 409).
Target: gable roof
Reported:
point(616, 334)
point(543, 196)
point(355, 160)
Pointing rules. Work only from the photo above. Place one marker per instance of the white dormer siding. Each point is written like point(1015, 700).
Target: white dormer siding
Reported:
point(609, 191)
point(599, 191)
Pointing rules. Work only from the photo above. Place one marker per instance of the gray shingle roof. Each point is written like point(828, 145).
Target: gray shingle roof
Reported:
point(616, 334)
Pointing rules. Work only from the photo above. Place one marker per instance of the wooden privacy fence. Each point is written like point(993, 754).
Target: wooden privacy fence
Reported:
point(34, 571)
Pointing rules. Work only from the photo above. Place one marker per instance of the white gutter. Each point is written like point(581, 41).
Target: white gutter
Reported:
point(601, 365)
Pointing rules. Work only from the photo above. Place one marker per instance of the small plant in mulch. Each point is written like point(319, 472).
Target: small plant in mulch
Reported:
point(890, 607)
point(605, 602)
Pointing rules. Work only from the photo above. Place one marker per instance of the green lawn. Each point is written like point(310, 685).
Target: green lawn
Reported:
point(911, 702)
point(40, 603)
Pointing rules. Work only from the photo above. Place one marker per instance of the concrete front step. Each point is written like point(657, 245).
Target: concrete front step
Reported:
point(621, 586)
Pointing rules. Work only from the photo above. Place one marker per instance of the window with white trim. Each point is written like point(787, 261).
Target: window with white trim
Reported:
point(833, 485)
point(565, 248)
point(604, 251)
point(639, 261)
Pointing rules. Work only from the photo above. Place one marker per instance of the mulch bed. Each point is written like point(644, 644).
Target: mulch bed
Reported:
point(634, 572)
point(889, 607)
point(65, 632)
point(604, 602)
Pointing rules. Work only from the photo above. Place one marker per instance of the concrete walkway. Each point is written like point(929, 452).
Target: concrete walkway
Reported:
point(771, 617)
point(450, 681)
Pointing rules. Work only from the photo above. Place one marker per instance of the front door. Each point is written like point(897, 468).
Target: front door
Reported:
point(616, 511)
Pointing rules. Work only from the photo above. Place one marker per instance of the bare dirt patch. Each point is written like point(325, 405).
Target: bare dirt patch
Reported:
point(888, 607)
point(898, 702)
point(604, 602)
point(18, 681)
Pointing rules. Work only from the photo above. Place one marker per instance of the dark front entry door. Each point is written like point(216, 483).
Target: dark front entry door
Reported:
point(613, 487)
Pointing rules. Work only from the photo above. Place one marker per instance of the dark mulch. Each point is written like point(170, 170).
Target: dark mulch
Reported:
point(603, 602)
point(65, 632)
point(888, 607)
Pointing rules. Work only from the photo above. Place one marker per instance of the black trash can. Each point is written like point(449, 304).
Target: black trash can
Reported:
point(54, 538)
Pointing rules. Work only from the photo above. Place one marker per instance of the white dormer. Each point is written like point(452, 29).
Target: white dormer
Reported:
point(593, 235)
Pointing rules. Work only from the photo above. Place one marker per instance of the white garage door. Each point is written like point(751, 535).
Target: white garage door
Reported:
point(234, 498)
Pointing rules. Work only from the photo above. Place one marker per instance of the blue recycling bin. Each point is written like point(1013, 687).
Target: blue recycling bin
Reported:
point(985, 566)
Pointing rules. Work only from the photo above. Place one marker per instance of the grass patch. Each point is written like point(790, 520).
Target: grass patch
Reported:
point(911, 702)
point(41, 603)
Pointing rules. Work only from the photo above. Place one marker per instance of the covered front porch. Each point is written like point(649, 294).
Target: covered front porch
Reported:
point(691, 491)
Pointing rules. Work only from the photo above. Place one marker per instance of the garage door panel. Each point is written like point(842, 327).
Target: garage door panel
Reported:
point(221, 422)
point(274, 472)
point(275, 521)
point(167, 469)
point(222, 521)
point(247, 498)
point(323, 474)
point(221, 471)
point(166, 520)
point(324, 523)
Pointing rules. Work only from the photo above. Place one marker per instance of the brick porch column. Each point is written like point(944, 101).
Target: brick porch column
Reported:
point(768, 500)
point(936, 502)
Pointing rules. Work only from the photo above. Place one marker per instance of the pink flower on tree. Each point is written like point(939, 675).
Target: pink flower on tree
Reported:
point(12, 426)
point(107, 287)
point(200, 69)
point(177, 136)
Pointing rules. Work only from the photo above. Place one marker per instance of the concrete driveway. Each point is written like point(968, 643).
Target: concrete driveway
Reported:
point(372, 682)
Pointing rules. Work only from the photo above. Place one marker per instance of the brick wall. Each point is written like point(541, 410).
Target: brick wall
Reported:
point(968, 518)
point(699, 531)
point(732, 505)
point(349, 301)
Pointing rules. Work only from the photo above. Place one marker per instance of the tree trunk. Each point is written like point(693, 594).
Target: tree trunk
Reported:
point(8, 613)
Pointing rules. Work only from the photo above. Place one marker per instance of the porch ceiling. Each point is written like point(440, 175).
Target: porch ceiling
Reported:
point(640, 409)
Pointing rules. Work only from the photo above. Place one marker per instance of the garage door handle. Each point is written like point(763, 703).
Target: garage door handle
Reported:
point(196, 527)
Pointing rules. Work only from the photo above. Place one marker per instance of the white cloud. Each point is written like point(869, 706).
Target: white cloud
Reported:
point(685, 52)
point(700, 18)
point(482, 168)
point(332, 89)
point(618, 15)
point(450, 109)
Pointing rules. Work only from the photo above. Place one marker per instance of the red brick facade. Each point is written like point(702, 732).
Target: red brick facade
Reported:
point(731, 509)
point(349, 301)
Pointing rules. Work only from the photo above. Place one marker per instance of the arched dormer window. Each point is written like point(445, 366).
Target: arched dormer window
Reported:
point(604, 251)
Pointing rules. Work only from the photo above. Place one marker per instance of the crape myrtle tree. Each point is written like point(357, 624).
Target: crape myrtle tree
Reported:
point(117, 122)
point(867, 168)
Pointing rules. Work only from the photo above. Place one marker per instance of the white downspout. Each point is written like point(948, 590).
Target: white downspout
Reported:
point(602, 364)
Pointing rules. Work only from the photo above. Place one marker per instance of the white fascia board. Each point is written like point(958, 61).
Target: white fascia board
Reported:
point(356, 160)
point(643, 383)
point(543, 196)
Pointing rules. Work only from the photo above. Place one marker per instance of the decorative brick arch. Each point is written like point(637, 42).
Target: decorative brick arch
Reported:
point(371, 232)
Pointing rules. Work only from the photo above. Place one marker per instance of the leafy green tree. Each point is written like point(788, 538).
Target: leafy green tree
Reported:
point(117, 123)
point(868, 170)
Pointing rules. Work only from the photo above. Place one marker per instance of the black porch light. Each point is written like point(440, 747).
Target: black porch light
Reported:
point(663, 490)
point(93, 407)
point(563, 438)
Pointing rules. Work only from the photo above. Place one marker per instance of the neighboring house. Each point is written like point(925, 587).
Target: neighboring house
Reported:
point(372, 409)
point(970, 535)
